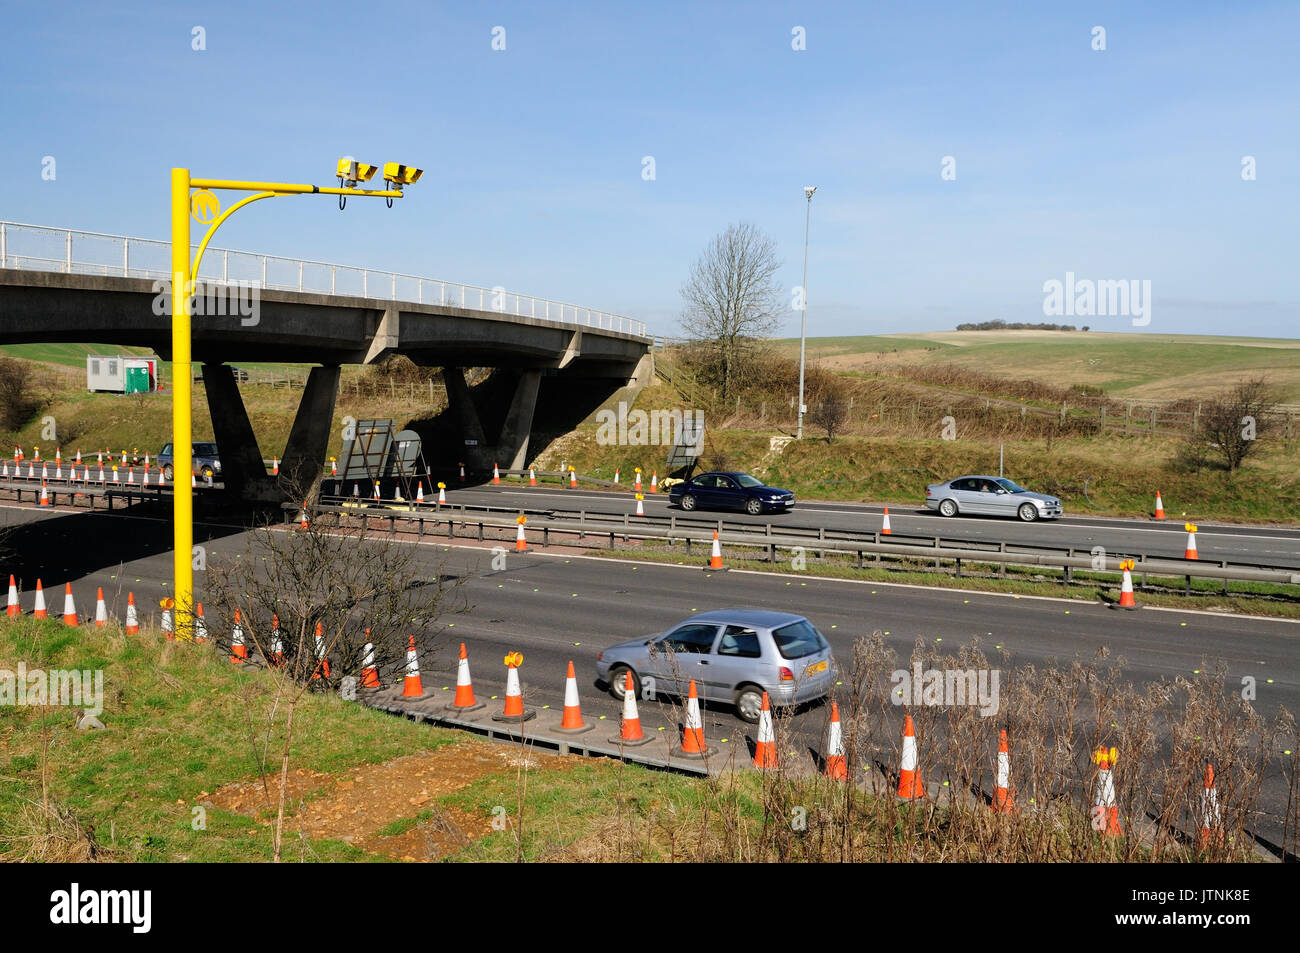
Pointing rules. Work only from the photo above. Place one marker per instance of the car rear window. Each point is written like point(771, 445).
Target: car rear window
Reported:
point(206, 449)
point(799, 640)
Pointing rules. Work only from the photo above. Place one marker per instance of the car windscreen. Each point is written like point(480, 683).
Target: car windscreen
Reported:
point(746, 480)
point(1011, 487)
point(798, 640)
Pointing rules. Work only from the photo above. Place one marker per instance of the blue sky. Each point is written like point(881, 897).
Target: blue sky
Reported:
point(1115, 164)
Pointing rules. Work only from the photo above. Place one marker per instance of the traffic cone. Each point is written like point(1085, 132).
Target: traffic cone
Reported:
point(369, 673)
point(693, 731)
point(376, 494)
point(1211, 833)
point(412, 687)
point(836, 766)
point(1003, 800)
point(419, 494)
point(356, 491)
point(521, 543)
point(200, 625)
point(715, 559)
point(302, 517)
point(910, 784)
point(130, 476)
point(765, 746)
point(58, 470)
point(571, 723)
point(629, 732)
point(45, 494)
point(101, 610)
point(38, 607)
point(640, 504)
point(514, 707)
point(238, 650)
point(116, 478)
point(1126, 599)
point(1191, 541)
point(334, 467)
point(462, 473)
point(464, 700)
point(1160, 507)
point(654, 482)
point(45, 471)
point(573, 479)
point(322, 663)
point(616, 476)
point(532, 477)
point(636, 485)
point(397, 493)
point(69, 606)
point(194, 480)
point(1105, 812)
point(132, 620)
point(277, 643)
point(4, 470)
point(13, 609)
point(442, 493)
point(884, 526)
point(275, 466)
point(496, 474)
point(162, 477)
point(168, 629)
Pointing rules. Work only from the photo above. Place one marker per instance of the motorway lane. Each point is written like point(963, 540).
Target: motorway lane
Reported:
point(1265, 545)
point(555, 607)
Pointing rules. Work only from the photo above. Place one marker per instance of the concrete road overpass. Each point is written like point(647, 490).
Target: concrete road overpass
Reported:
point(61, 285)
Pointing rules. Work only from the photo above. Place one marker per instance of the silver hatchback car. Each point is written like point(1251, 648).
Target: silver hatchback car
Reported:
point(734, 655)
point(995, 496)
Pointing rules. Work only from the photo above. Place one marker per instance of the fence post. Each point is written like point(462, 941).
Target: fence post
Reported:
point(68, 252)
point(4, 245)
point(300, 276)
point(126, 257)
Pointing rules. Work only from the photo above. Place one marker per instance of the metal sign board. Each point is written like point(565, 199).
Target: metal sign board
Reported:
point(688, 441)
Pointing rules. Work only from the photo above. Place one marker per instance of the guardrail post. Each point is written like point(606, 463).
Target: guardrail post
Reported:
point(225, 265)
point(958, 576)
point(68, 252)
point(4, 245)
point(126, 258)
point(546, 536)
point(1069, 570)
point(300, 276)
point(936, 558)
point(582, 519)
point(1002, 565)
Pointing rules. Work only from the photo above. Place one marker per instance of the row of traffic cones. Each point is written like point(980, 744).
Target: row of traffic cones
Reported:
point(40, 609)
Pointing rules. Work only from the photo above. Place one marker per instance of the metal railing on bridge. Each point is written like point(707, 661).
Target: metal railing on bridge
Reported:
point(39, 248)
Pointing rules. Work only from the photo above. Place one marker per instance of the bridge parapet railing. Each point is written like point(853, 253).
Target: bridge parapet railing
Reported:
point(40, 248)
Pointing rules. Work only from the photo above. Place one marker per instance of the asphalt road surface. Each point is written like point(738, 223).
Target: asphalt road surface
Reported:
point(555, 606)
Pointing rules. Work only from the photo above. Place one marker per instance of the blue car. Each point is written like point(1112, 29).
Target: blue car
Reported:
point(730, 491)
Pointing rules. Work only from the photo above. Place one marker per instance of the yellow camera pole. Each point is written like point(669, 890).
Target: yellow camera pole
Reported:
point(184, 273)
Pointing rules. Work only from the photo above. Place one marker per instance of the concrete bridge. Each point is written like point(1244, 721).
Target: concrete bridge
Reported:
point(61, 285)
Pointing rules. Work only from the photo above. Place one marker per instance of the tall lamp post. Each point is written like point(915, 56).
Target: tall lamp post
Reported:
point(205, 208)
point(808, 190)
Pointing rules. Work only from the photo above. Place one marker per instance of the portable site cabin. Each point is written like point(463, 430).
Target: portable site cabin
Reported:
point(121, 374)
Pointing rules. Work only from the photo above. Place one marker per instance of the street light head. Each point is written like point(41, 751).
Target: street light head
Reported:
point(351, 172)
point(808, 190)
point(399, 175)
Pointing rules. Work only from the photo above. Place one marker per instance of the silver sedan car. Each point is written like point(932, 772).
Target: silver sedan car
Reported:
point(994, 496)
point(734, 655)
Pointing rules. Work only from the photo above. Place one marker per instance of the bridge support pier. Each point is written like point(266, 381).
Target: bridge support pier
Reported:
point(511, 447)
point(309, 439)
point(242, 468)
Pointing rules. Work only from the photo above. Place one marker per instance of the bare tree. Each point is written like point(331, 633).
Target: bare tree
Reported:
point(1232, 423)
point(732, 297)
point(830, 414)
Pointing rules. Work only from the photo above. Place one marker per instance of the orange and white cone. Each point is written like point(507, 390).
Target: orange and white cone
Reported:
point(69, 606)
point(168, 629)
point(654, 482)
point(1003, 799)
point(910, 784)
point(376, 493)
point(200, 624)
point(514, 706)
point(1211, 833)
point(45, 494)
point(397, 493)
point(765, 746)
point(322, 669)
point(1191, 541)
point(837, 766)
point(116, 477)
point(573, 479)
point(532, 477)
point(496, 474)
point(640, 504)
point(13, 608)
point(521, 541)
point(334, 467)
point(419, 494)
point(636, 484)
point(412, 686)
point(571, 723)
point(462, 473)
point(1105, 812)
point(302, 517)
point(238, 650)
point(884, 526)
point(465, 700)
point(38, 607)
point(629, 731)
point(1126, 599)
point(277, 643)
point(194, 479)
point(369, 673)
point(132, 620)
point(693, 729)
point(101, 610)
point(1160, 507)
point(442, 494)
point(275, 466)
point(616, 476)
point(130, 475)
point(162, 477)
point(715, 558)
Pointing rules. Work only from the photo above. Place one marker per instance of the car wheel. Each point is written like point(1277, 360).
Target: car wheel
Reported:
point(688, 502)
point(948, 507)
point(1028, 512)
point(168, 472)
point(618, 681)
point(749, 702)
point(754, 507)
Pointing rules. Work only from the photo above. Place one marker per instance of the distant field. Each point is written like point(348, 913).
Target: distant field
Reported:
point(1124, 365)
point(74, 355)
